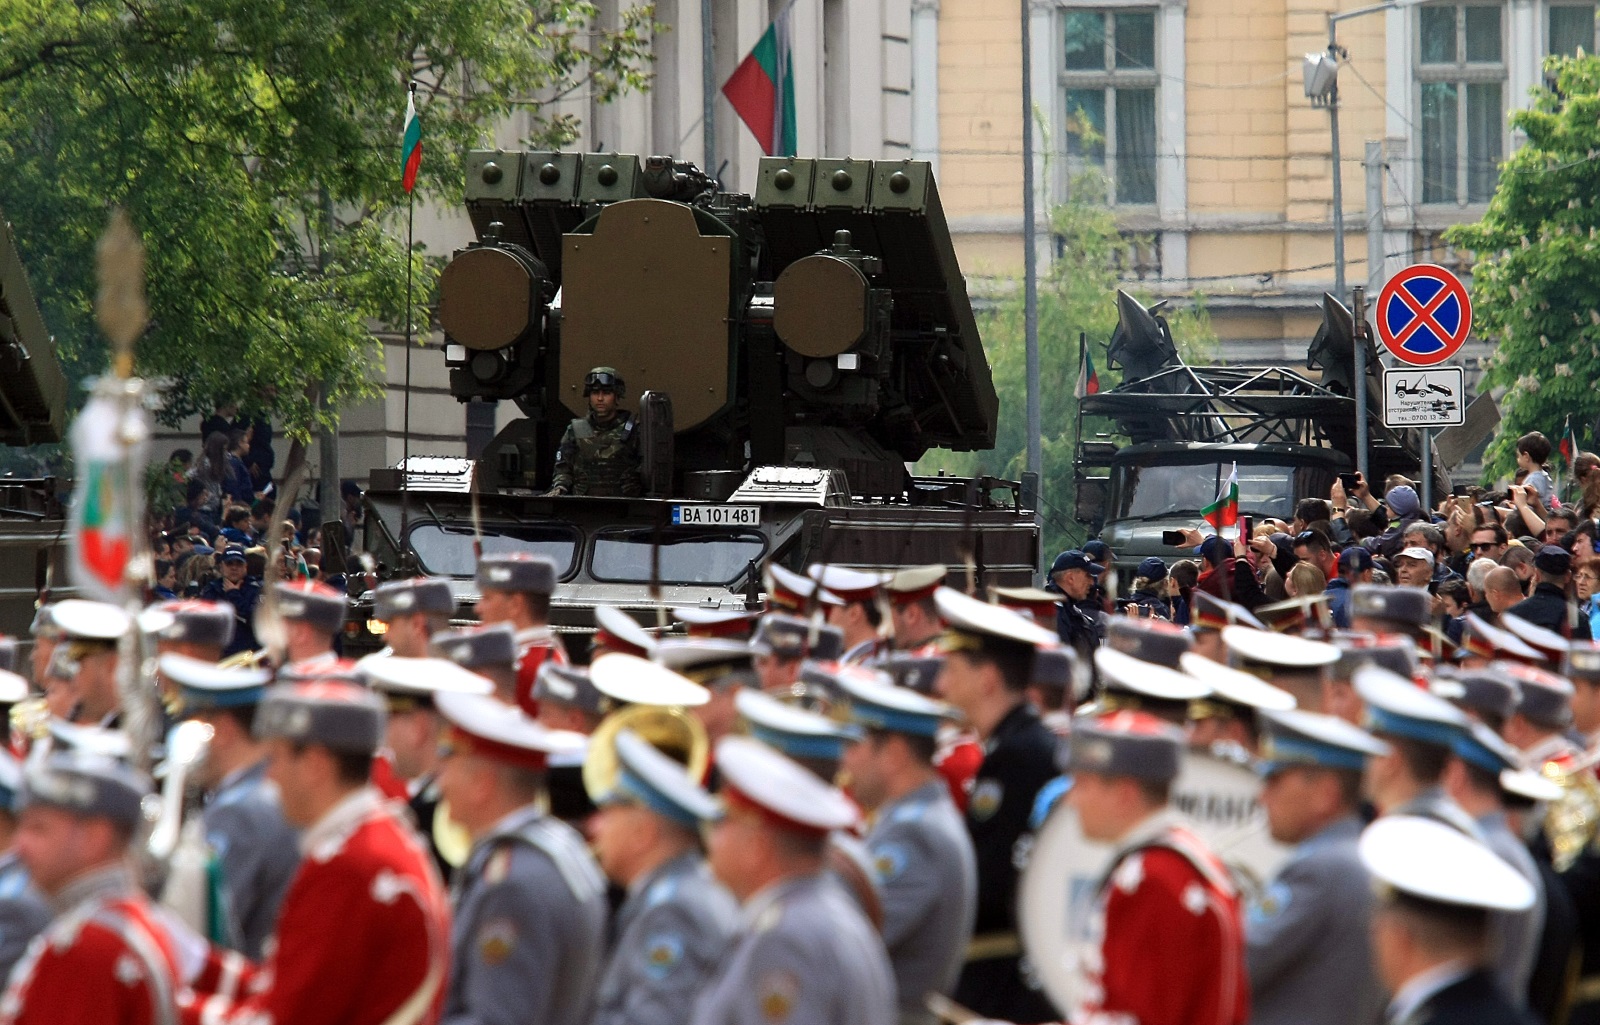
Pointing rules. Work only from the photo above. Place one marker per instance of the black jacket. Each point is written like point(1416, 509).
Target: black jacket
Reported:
point(1475, 1000)
point(1547, 607)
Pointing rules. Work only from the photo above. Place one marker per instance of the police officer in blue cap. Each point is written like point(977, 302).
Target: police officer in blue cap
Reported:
point(677, 921)
point(257, 851)
point(919, 845)
point(1307, 935)
point(1078, 617)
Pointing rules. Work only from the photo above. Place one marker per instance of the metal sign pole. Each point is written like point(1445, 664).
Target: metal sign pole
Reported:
point(1427, 472)
point(1359, 350)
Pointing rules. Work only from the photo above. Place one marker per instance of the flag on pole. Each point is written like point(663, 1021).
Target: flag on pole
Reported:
point(1088, 380)
point(410, 144)
point(1224, 512)
point(761, 89)
point(108, 447)
point(1568, 446)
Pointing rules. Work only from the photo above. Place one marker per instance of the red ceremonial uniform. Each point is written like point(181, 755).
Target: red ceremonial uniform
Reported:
point(108, 961)
point(957, 761)
point(534, 645)
point(363, 937)
point(1171, 940)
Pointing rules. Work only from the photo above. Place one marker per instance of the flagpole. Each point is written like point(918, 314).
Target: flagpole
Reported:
point(1030, 262)
point(405, 421)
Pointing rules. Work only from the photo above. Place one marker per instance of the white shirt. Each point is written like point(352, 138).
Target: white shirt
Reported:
point(1421, 987)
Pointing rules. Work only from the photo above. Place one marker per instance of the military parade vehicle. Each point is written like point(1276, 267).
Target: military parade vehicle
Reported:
point(786, 356)
point(33, 411)
point(1187, 427)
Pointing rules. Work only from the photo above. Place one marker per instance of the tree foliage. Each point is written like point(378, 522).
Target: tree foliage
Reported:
point(1077, 294)
point(256, 145)
point(1536, 286)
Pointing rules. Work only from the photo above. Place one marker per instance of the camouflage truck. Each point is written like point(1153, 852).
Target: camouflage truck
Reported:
point(786, 355)
point(33, 400)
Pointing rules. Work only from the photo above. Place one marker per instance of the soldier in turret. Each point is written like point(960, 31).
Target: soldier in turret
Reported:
point(599, 454)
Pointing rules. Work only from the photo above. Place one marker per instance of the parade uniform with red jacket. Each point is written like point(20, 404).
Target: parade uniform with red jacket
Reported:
point(363, 937)
point(107, 960)
point(1171, 948)
point(535, 645)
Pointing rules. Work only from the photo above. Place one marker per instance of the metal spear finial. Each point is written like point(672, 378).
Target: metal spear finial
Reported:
point(120, 307)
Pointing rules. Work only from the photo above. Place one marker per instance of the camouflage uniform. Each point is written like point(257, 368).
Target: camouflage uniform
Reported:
point(599, 460)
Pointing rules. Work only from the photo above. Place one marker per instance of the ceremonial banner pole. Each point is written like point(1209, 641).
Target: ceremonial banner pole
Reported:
point(411, 160)
point(110, 549)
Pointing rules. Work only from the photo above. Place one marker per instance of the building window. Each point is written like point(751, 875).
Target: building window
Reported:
point(1572, 26)
point(1108, 83)
point(1462, 78)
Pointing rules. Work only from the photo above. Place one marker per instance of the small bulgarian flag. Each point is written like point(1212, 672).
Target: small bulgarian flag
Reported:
point(410, 143)
point(1224, 512)
point(761, 89)
point(1568, 447)
point(1088, 380)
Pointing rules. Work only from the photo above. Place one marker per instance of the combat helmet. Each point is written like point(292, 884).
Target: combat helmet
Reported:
point(604, 377)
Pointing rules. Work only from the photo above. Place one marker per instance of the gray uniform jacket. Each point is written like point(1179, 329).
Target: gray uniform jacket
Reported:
point(1514, 935)
point(23, 912)
point(258, 851)
point(672, 932)
point(529, 931)
point(923, 858)
point(804, 956)
point(1306, 937)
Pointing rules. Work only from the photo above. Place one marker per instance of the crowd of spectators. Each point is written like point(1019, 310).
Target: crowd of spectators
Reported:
point(210, 541)
point(1519, 549)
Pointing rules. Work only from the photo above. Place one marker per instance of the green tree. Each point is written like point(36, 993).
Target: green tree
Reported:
point(256, 145)
point(1536, 286)
point(1077, 294)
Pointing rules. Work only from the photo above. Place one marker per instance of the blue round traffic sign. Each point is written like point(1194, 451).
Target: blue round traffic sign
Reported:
point(1423, 315)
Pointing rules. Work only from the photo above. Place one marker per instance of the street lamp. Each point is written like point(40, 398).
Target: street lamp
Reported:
point(1321, 73)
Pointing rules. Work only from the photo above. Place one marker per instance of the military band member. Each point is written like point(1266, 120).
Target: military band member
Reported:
point(413, 610)
point(1483, 642)
point(1037, 604)
point(1392, 652)
point(490, 651)
point(804, 953)
point(1421, 730)
point(1472, 779)
point(1156, 641)
point(1431, 925)
point(718, 624)
point(1227, 721)
point(107, 958)
point(88, 657)
point(257, 850)
point(1130, 684)
point(723, 667)
point(1389, 609)
point(1543, 715)
point(516, 589)
point(1209, 615)
point(599, 453)
point(617, 633)
point(677, 921)
point(567, 700)
point(914, 672)
point(530, 901)
point(1170, 937)
point(1486, 695)
point(797, 594)
point(918, 842)
point(1551, 645)
point(1053, 688)
point(912, 611)
point(411, 736)
point(364, 932)
point(861, 617)
point(23, 911)
point(782, 642)
point(1582, 669)
point(313, 615)
point(198, 629)
point(1308, 935)
point(1295, 664)
point(46, 635)
point(988, 661)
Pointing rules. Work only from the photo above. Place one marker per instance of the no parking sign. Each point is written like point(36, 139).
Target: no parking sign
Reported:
point(1423, 315)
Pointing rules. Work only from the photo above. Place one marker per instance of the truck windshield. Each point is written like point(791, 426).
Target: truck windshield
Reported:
point(447, 550)
point(1150, 492)
point(687, 556)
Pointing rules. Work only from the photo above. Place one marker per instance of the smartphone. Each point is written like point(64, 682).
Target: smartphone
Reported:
point(1460, 490)
point(1172, 537)
point(1349, 481)
point(1244, 527)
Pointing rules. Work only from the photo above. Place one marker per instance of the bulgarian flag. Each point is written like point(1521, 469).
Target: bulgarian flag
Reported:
point(1088, 380)
point(1224, 512)
point(761, 89)
point(1568, 447)
point(410, 143)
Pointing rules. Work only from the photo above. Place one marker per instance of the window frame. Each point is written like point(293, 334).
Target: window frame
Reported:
point(1462, 74)
point(1108, 80)
point(1594, 36)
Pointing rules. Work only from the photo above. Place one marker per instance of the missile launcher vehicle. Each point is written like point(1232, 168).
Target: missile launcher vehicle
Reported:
point(787, 355)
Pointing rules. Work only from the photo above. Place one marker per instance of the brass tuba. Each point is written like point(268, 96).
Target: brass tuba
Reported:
point(1571, 820)
point(672, 731)
point(30, 719)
